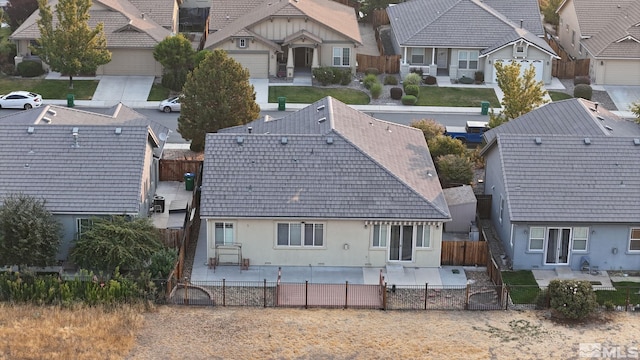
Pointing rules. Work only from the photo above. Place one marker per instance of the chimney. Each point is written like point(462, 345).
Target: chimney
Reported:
point(249, 129)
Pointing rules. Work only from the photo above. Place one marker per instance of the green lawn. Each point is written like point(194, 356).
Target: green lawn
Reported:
point(619, 296)
point(559, 95)
point(456, 96)
point(50, 89)
point(523, 286)
point(308, 94)
point(158, 93)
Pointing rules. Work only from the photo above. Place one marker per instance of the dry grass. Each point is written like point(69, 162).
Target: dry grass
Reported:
point(41, 332)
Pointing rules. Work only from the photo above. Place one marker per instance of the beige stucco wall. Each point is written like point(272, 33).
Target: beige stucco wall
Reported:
point(569, 23)
point(146, 191)
point(258, 239)
point(280, 28)
point(253, 47)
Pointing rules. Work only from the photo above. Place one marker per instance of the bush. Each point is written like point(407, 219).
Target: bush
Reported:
point(430, 128)
point(479, 76)
point(411, 79)
point(371, 71)
point(417, 71)
point(583, 91)
point(390, 80)
point(581, 80)
point(324, 75)
point(465, 80)
point(409, 100)
point(454, 170)
point(430, 80)
point(609, 305)
point(445, 145)
point(574, 299)
point(345, 76)
point(369, 80)
point(412, 90)
point(162, 262)
point(396, 93)
point(30, 69)
point(8, 69)
point(376, 90)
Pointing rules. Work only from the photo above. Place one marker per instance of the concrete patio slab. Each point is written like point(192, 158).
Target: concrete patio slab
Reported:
point(600, 280)
point(623, 96)
point(170, 191)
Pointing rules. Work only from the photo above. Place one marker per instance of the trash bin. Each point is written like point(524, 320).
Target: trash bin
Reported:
point(158, 204)
point(485, 107)
point(189, 180)
point(70, 98)
point(282, 103)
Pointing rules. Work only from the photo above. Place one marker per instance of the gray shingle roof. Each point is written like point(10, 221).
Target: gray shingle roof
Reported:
point(564, 180)
point(102, 175)
point(460, 195)
point(373, 169)
point(620, 38)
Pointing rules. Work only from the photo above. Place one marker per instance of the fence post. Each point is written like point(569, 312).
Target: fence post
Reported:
point(306, 294)
point(264, 293)
point(626, 307)
point(224, 295)
point(466, 298)
point(186, 294)
point(505, 296)
point(426, 286)
point(346, 294)
point(384, 297)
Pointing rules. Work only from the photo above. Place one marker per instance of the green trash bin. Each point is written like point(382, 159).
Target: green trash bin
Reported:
point(282, 103)
point(189, 181)
point(70, 98)
point(485, 107)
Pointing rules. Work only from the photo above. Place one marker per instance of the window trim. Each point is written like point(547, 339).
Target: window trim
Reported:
point(242, 43)
point(573, 38)
point(224, 233)
point(303, 225)
point(426, 237)
point(382, 241)
point(633, 251)
point(341, 57)
point(585, 239)
point(501, 208)
point(468, 59)
point(79, 221)
point(543, 238)
point(422, 54)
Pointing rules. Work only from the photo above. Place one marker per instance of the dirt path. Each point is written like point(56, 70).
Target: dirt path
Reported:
point(251, 333)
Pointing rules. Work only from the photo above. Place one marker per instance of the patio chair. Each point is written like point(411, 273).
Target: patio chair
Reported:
point(585, 264)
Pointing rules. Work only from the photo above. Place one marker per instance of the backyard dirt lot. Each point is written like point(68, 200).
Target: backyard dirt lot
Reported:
point(252, 333)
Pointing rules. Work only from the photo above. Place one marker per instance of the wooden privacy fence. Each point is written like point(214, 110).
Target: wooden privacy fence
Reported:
point(484, 206)
point(463, 253)
point(386, 64)
point(379, 17)
point(174, 170)
point(566, 67)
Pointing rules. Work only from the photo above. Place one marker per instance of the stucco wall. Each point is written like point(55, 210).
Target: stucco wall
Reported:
point(280, 28)
point(495, 187)
point(569, 23)
point(532, 53)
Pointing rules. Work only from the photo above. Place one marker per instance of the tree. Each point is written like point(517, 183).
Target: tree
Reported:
point(635, 109)
point(176, 55)
point(549, 8)
point(116, 242)
point(445, 145)
point(71, 47)
point(29, 234)
point(521, 93)
point(19, 10)
point(454, 170)
point(430, 128)
point(217, 95)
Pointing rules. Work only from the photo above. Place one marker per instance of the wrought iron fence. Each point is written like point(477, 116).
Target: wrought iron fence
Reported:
point(620, 298)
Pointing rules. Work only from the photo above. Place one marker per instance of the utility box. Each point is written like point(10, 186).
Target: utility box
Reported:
point(282, 103)
point(485, 108)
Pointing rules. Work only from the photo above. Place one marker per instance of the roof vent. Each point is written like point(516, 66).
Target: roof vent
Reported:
point(249, 129)
point(587, 141)
point(538, 141)
point(321, 107)
point(267, 118)
point(30, 130)
point(636, 142)
point(284, 140)
point(74, 133)
point(240, 140)
point(142, 15)
point(608, 127)
point(52, 112)
point(322, 119)
point(46, 120)
point(329, 140)
point(118, 131)
point(595, 105)
point(593, 109)
point(599, 118)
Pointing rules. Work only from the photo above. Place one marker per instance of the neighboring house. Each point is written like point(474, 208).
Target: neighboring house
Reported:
point(132, 29)
point(324, 186)
point(82, 164)
point(564, 185)
point(276, 38)
point(460, 37)
point(605, 32)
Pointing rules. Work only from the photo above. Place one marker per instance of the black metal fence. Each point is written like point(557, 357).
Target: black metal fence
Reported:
point(619, 298)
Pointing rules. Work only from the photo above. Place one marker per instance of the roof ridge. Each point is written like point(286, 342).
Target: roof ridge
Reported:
point(434, 19)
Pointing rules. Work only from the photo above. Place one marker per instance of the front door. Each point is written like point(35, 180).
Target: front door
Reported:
point(558, 243)
point(442, 58)
point(401, 244)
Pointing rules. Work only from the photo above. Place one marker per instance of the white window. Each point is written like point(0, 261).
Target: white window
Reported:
point(300, 234)
point(417, 55)
point(242, 43)
point(580, 238)
point(380, 235)
point(223, 233)
point(341, 56)
point(423, 236)
point(468, 59)
point(82, 225)
point(634, 240)
point(536, 239)
point(501, 208)
point(573, 38)
point(580, 48)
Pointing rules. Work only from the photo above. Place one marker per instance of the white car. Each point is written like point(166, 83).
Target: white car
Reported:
point(20, 100)
point(171, 104)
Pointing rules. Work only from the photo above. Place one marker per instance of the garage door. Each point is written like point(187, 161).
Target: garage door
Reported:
point(131, 62)
point(538, 65)
point(257, 64)
point(621, 72)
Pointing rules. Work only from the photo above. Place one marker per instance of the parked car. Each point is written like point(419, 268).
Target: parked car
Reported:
point(470, 133)
point(170, 104)
point(20, 100)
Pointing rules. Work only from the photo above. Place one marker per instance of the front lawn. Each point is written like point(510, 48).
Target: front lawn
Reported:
point(523, 286)
point(619, 296)
point(50, 89)
point(158, 93)
point(309, 94)
point(559, 95)
point(456, 97)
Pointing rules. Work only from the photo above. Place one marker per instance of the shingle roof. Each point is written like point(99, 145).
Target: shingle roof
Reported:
point(620, 38)
point(464, 23)
point(372, 168)
point(595, 15)
point(562, 179)
point(567, 117)
point(101, 175)
point(333, 15)
point(460, 195)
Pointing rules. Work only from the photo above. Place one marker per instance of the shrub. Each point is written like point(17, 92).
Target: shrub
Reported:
point(376, 90)
point(371, 71)
point(417, 71)
point(396, 93)
point(479, 76)
point(174, 80)
point(8, 69)
point(430, 80)
point(411, 79)
point(454, 170)
point(412, 90)
point(465, 80)
point(583, 91)
point(542, 299)
point(409, 100)
point(430, 128)
point(445, 145)
point(324, 75)
point(574, 299)
point(344, 76)
point(390, 80)
point(581, 80)
point(162, 262)
point(30, 69)
point(609, 305)
point(369, 80)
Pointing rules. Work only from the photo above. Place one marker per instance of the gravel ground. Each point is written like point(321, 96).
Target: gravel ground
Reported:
point(601, 97)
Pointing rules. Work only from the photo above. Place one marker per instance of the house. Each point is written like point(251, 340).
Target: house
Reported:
point(82, 164)
point(605, 32)
point(324, 186)
point(294, 35)
point(132, 29)
point(564, 186)
point(461, 37)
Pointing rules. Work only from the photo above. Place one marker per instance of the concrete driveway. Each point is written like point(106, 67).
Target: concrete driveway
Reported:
point(130, 90)
point(623, 96)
